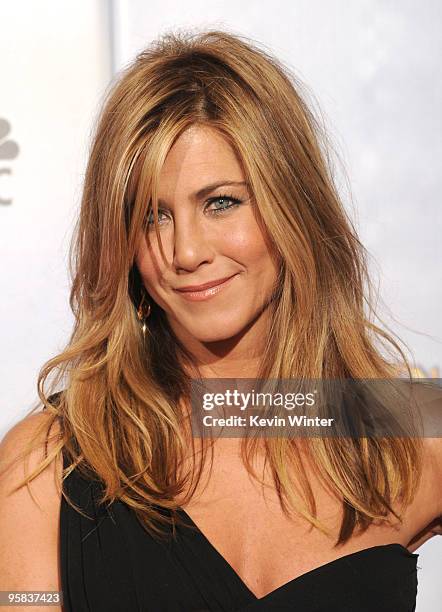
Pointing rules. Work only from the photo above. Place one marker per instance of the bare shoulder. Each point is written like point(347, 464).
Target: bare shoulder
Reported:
point(33, 428)
point(29, 517)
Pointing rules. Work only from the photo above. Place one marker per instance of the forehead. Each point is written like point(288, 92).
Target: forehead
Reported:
point(200, 155)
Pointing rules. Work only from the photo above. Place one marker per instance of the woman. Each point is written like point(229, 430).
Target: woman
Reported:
point(207, 168)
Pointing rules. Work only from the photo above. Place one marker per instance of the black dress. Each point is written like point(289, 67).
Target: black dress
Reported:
point(111, 564)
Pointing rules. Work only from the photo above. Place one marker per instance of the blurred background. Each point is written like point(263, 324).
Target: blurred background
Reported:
point(372, 71)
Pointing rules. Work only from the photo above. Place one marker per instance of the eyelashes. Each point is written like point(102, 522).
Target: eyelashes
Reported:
point(232, 203)
point(228, 198)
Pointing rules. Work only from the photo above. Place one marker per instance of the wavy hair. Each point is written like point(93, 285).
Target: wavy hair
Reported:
point(120, 410)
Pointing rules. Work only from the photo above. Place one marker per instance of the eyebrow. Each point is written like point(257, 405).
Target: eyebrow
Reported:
point(204, 191)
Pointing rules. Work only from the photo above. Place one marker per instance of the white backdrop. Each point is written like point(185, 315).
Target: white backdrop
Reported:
point(54, 65)
point(374, 68)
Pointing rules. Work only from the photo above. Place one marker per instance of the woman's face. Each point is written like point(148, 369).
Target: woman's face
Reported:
point(209, 233)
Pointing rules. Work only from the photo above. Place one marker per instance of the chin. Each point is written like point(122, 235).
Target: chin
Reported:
point(216, 333)
point(216, 329)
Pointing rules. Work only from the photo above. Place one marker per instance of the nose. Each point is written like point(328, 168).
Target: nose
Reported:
point(192, 243)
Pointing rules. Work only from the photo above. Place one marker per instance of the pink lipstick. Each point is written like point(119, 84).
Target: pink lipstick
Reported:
point(196, 293)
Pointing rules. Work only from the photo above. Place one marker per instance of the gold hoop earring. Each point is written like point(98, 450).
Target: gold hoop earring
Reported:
point(143, 312)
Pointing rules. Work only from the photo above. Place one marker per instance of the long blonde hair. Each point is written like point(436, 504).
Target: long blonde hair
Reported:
point(119, 408)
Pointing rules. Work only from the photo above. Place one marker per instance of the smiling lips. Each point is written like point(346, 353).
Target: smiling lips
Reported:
point(196, 293)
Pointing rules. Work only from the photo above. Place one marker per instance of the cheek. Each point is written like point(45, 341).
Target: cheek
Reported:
point(247, 245)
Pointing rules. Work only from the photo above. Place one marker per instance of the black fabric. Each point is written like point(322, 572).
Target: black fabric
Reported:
point(110, 564)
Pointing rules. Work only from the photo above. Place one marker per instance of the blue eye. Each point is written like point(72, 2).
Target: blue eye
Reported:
point(224, 199)
point(150, 219)
point(227, 203)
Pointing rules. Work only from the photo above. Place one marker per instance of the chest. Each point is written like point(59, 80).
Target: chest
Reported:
point(244, 521)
